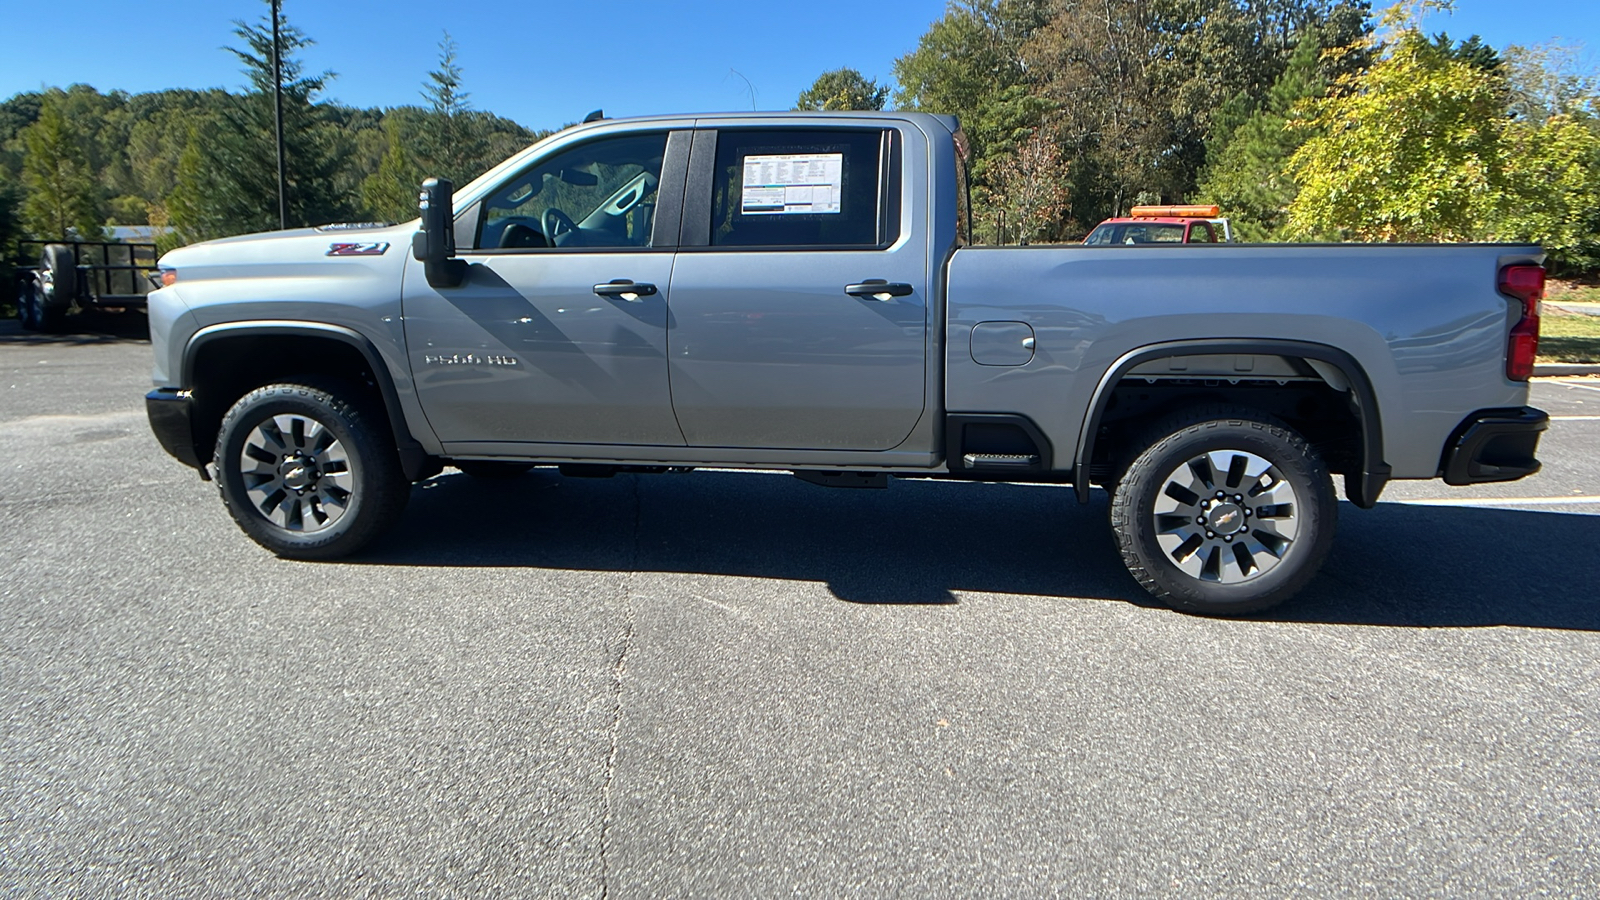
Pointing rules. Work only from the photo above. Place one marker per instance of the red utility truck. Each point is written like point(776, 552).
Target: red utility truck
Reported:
point(1164, 225)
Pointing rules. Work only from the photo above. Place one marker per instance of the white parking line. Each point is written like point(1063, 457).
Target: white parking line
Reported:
point(1504, 501)
point(1575, 418)
point(1584, 387)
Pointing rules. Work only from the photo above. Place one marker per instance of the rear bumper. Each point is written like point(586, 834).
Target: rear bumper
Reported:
point(171, 413)
point(1494, 445)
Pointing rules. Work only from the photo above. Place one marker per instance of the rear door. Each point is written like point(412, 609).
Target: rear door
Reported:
point(799, 312)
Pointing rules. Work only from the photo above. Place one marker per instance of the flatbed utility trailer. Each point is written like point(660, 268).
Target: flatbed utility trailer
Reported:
point(81, 275)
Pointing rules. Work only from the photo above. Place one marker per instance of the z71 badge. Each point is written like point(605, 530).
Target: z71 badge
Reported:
point(371, 248)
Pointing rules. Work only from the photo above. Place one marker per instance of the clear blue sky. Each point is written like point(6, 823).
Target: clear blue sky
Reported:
point(545, 64)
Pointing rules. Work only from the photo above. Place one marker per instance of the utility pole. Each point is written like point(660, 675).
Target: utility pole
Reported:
point(277, 101)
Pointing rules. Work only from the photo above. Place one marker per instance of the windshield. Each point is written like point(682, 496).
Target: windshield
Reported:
point(1136, 233)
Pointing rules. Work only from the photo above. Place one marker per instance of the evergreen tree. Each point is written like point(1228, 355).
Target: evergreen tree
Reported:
point(390, 193)
point(454, 144)
point(842, 89)
point(230, 186)
point(62, 195)
point(1248, 178)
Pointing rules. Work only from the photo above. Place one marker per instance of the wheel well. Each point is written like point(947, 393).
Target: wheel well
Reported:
point(1327, 418)
point(225, 369)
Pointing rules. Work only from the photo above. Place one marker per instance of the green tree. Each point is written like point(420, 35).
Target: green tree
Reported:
point(842, 89)
point(230, 186)
point(10, 231)
point(969, 64)
point(390, 193)
point(1472, 51)
point(1249, 177)
point(192, 208)
point(1554, 190)
point(455, 143)
point(62, 195)
point(1140, 89)
point(1414, 153)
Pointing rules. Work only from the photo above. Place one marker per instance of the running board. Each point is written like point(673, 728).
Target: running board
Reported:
point(1022, 462)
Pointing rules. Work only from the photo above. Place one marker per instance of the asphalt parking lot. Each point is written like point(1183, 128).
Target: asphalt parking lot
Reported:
point(743, 685)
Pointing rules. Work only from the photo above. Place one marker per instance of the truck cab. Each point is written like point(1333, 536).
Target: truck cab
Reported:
point(1164, 225)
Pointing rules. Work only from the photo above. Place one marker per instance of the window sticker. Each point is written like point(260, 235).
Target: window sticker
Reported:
point(792, 184)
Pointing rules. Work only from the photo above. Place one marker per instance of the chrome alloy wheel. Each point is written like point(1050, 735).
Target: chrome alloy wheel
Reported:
point(296, 473)
point(1226, 516)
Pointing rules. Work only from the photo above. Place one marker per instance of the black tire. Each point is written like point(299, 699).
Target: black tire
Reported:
point(1222, 555)
point(300, 501)
point(57, 287)
point(492, 468)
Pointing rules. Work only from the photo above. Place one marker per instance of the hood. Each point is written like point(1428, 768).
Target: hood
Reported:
point(362, 239)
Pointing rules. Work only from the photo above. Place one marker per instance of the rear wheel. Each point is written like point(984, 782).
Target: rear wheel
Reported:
point(309, 470)
point(1228, 512)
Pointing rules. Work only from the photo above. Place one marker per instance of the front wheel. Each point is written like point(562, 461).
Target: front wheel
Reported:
point(309, 470)
point(1229, 512)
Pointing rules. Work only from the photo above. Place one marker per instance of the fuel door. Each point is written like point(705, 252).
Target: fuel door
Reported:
point(1002, 343)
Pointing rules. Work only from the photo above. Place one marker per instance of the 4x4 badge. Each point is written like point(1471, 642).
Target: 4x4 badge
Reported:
point(364, 249)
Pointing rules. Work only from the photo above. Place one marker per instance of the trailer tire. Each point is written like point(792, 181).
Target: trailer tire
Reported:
point(57, 287)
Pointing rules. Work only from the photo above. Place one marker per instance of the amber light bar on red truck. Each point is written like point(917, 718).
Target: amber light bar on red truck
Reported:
point(1175, 212)
point(1526, 284)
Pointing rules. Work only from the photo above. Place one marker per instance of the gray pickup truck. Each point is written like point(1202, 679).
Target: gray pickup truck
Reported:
point(796, 292)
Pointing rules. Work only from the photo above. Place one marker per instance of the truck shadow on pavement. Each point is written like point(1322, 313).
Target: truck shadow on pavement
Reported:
point(82, 329)
point(921, 541)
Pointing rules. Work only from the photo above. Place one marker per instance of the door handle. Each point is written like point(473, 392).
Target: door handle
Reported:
point(627, 290)
point(878, 289)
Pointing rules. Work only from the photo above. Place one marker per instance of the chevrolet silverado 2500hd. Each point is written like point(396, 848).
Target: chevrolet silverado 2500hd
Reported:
point(793, 291)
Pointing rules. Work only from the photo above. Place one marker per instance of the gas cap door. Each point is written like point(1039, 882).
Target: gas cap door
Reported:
point(1002, 343)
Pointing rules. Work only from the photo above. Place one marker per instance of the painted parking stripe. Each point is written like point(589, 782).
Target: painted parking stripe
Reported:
point(1582, 387)
point(1504, 501)
point(1575, 418)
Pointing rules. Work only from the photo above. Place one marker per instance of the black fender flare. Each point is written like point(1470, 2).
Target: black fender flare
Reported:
point(1362, 491)
point(413, 458)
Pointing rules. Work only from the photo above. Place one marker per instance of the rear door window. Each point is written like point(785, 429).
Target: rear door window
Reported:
point(811, 188)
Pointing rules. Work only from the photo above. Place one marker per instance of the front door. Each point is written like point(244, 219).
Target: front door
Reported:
point(768, 349)
point(544, 342)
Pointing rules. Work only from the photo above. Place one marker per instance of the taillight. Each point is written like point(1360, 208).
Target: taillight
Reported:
point(1524, 283)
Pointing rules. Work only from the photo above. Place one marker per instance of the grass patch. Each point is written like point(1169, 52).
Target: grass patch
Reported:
point(1569, 338)
point(1572, 291)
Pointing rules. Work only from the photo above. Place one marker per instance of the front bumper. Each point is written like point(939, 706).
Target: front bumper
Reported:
point(1494, 445)
point(171, 413)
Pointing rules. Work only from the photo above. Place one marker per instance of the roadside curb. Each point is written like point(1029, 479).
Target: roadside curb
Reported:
point(1554, 370)
point(1573, 307)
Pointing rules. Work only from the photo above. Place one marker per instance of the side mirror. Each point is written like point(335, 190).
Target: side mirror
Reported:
point(435, 244)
